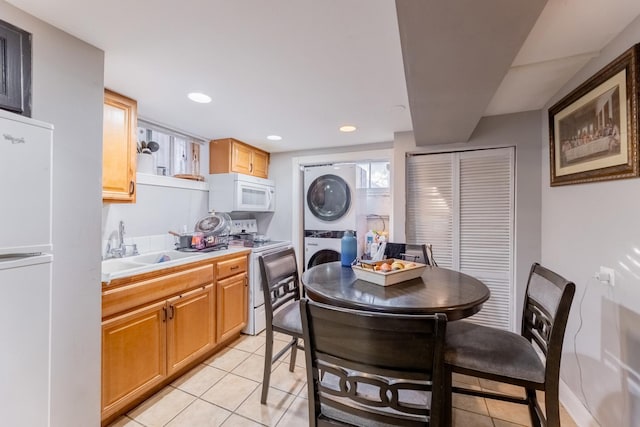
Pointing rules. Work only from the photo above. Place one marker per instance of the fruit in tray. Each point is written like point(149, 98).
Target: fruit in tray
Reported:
point(387, 265)
point(397, 266)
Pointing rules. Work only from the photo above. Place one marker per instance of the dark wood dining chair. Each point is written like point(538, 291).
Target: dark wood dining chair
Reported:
point(281, 287)
point(366, 368)
point(511, 358)
point(408, 252)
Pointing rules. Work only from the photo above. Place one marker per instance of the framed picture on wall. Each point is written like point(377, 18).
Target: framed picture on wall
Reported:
point(593, 131)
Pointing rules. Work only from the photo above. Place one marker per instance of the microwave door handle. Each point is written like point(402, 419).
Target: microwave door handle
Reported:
point(269, 197)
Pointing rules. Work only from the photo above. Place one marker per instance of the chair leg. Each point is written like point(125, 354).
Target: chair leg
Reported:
point(552, 406)
point(532, 404)
point(294, 351)
point(266, 376)
point(447, 411)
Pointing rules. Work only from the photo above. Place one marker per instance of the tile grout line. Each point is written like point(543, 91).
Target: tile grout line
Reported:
point(294, 396)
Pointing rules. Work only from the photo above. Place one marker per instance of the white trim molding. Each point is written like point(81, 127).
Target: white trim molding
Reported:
point(575, 407)
point(297, 189)
point(169, 181)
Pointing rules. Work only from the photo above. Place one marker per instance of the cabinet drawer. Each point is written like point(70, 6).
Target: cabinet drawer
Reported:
point(231, 267)
point(145, 291)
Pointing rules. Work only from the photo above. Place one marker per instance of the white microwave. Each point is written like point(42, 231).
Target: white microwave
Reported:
point(235, 192)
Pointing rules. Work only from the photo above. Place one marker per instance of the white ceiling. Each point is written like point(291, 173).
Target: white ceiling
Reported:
point(302, 68)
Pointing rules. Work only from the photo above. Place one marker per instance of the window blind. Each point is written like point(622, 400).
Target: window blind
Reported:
point(463, 204)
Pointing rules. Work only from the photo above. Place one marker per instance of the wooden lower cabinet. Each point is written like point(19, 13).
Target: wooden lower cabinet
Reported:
point(232, 305)
point(190, 327)
point(157, 325)
point(133, 355)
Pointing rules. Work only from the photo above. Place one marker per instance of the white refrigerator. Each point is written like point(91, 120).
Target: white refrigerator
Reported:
point(26, 258)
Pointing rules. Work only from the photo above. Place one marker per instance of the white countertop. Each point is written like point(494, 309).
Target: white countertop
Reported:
point(117, 268)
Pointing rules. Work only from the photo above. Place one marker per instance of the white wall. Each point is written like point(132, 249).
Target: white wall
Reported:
point(584, 227)
point(520, 130)
point(68, 92)
point(158, 209)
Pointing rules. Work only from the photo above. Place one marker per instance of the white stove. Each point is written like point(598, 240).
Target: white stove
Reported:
point(244, 233)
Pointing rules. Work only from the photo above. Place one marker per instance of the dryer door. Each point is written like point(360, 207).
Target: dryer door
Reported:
point(323, 256)
point(329, 197)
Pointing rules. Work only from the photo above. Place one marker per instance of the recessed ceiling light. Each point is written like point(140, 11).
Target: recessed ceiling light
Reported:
point(274, 137)
point(199, 97)
point(347, 128)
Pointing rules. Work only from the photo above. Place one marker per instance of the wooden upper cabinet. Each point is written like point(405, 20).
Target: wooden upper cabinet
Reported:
point(119, 148)
point(260, 163)
point(230, 155)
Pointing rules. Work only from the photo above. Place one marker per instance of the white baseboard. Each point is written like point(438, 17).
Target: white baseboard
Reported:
point(575, 407)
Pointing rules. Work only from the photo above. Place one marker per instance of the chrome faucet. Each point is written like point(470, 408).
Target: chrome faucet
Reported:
point(121, 244)
point(120, 250)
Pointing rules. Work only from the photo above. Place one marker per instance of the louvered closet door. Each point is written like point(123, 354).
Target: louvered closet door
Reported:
point(462, 203)
point(430, 204)
point(486, 229)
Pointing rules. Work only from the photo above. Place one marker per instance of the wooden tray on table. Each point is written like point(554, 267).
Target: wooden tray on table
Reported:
point(400, 271)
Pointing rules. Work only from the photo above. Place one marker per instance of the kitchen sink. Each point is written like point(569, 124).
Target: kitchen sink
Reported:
point(111, 266)
point(163, 256)
point(138, 264)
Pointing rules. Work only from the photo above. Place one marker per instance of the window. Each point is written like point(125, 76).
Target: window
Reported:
point(463, 204)
point(373, 175)
point(177, 153)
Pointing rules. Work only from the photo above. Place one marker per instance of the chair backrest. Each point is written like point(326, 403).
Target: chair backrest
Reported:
point(545, 314)
point(280, 280)
point(365, 367)
point(407, 251)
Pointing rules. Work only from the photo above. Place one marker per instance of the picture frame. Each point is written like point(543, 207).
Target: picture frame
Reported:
point(593, 131)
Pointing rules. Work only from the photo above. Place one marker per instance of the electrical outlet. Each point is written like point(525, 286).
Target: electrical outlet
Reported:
point(607, 276)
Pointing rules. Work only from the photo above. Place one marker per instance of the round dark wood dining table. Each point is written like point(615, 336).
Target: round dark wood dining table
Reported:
point(437, 290)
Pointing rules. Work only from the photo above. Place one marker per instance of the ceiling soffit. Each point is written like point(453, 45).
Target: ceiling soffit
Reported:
point(456, 53)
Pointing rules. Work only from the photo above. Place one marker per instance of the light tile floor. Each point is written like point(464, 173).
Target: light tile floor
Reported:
point(225, 391)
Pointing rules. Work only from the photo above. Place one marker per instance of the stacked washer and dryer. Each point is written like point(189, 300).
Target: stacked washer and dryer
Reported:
point(329, 210)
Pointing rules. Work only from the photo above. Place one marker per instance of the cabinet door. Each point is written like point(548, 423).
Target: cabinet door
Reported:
point(260, 164)
point(15, 69)
point(133, 355)
point(119, 148)
point(232, 305)
point(191, 326)
point(240, 158)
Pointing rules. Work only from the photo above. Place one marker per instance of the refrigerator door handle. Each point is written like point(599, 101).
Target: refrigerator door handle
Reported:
point(24, 261)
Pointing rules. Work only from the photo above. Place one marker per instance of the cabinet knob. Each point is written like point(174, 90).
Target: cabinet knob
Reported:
point(132, 187)
point(164, 314)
